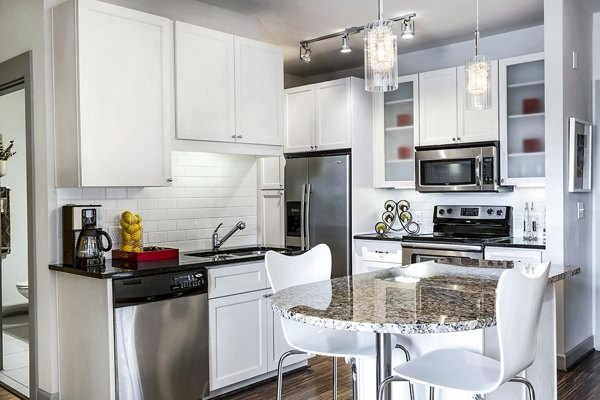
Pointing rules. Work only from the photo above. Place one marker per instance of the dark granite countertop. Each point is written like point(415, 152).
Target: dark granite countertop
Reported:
point(114, 269)
point(515, 241)
point(430, 297)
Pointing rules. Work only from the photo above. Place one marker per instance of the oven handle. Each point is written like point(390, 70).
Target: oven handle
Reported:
point(442, 246)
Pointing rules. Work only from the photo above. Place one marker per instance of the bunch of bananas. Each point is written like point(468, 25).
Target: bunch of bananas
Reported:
point(132, 234)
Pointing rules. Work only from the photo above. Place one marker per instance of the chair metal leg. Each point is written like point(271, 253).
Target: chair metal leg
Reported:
point(390, 379)
point(280, 370)
point(354, 378)
point(478, 397)
point(334, 377)
point(431, 393)
point(407, 356)
point(527, 384)
point(406, 353)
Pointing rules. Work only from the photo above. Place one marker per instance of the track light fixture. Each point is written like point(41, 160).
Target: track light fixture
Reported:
point(345, 45)
point(407, 29)
point(305, 52)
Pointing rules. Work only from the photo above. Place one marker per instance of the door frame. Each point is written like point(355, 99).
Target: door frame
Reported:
point(15, 74)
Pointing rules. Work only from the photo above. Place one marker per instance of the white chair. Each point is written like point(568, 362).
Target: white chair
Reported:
point(519, 301)
point(312, 266)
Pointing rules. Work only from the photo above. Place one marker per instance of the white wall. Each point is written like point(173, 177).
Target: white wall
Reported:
point(12, 127)
point(207, 189)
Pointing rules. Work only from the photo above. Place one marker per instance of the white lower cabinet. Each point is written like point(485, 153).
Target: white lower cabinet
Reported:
point(245, 335)
point(513, 254)
point(374, 255)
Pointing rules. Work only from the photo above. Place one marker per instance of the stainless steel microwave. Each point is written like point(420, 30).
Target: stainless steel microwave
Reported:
point(464, 168)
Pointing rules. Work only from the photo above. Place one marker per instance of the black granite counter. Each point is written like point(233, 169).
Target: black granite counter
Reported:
point(114, 269)
point(517, 242)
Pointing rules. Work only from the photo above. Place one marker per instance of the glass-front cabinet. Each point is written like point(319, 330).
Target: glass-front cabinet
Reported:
point(522, 133)
point(396, 132)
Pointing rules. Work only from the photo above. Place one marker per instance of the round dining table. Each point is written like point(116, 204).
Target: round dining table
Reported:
point(451, 295)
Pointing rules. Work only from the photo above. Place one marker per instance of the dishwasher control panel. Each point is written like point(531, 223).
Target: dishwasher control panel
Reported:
point(188, 280)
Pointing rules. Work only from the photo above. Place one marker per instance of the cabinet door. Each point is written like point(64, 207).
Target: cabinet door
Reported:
point(513, 254)
point(277, 343)
point(271, 217)
point(437, 99)
point(333, 115)
point(259, 92)
point(237, 338)
point(125, 95)
point(270, 173)
point(396, 131)
point(205, 83)
point(522, 118)
point(481, 125)
point(300, 119)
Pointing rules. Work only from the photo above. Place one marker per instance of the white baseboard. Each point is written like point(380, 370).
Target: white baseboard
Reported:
point(566, 361)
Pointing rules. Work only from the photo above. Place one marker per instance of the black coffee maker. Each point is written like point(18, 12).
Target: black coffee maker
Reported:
point(89, 249)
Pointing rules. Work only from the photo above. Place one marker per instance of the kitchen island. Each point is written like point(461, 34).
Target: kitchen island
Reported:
point(448, 303)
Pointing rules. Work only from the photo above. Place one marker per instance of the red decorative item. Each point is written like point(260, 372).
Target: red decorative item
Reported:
point(531, 106)
point(532, 145)
point(404, 153)
point(149, 254)
point(404, 120)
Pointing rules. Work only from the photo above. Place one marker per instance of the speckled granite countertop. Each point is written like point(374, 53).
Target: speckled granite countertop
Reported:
point(430, 297)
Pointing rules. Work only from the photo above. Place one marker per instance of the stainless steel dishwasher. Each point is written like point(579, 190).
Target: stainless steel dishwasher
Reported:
point(161, 336)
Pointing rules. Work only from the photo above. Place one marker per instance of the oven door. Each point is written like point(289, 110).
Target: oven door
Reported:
point(420, 252)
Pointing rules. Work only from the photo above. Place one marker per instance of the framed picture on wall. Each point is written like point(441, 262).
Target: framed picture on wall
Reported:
point(580, 155)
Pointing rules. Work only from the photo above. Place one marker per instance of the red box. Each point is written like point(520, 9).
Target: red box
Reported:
point(532, 145)
point(531, 106)
point(404, 153)
point(149, 254)
point(404, 120)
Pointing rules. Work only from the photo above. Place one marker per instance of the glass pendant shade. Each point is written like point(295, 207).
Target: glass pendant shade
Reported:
point(478, 80)
point(381, 57)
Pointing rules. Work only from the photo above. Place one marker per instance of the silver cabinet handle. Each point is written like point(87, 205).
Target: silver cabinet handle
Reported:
point(170, 180)
point(381, 252)
point(266, 296)
point(454, 139)
point(458, 138)
point(239, 136)
point(233, 136)
point(312, 147)
point(307, 216)
point(316, 147)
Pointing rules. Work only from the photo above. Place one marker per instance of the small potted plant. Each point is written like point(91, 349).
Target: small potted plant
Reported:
point(5, 154)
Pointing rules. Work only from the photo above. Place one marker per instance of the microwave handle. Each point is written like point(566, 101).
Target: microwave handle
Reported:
point(478, 171)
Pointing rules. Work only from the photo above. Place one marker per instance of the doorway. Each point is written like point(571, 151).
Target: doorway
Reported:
point(16, 229)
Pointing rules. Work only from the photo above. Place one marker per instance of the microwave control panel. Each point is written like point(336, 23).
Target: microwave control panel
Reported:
point(487, 175)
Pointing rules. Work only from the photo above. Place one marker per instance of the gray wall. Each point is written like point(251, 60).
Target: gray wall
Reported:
point(569, 238)
point(596, 177)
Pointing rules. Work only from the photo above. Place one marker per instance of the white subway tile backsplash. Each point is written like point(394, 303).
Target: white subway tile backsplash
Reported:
point(208, 189)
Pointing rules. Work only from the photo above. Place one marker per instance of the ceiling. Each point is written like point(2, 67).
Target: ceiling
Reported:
point(438, 22)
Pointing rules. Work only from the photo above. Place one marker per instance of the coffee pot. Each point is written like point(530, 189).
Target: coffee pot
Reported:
point(89, 248)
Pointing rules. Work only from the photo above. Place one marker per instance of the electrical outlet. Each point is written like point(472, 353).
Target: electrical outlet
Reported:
point(580, 210)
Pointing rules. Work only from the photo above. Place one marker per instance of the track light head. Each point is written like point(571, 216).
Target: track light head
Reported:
point(305, 52)
point(407, 29)
point(345, 45)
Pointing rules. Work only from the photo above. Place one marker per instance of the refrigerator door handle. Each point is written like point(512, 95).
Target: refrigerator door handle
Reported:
point(302, 228)
point(307, 216)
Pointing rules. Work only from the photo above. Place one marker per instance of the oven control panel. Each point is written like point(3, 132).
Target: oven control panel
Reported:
point(459, 212)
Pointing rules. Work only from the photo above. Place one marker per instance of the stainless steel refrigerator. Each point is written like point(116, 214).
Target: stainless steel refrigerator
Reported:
point(317, 197)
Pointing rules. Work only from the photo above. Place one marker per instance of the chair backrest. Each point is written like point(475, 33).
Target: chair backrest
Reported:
point(285, 271)
point(519, 299)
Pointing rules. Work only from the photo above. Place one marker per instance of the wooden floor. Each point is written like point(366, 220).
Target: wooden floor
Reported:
point(314, 383)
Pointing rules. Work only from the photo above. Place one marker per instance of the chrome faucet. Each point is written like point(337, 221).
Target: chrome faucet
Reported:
point(216, 242)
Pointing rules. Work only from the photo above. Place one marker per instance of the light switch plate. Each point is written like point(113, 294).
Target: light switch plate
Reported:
point(580, 210)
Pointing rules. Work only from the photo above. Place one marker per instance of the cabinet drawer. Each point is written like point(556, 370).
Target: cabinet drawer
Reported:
point(238, 278)
point(513, 254)
point(372, 266)
point(372, 250)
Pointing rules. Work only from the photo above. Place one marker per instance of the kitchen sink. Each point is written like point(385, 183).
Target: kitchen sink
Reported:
point(227, 254)
point(249, 253)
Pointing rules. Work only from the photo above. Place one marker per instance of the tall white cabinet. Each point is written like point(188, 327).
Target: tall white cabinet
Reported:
point(229, 88)
point(112, 94)
point(271, 201)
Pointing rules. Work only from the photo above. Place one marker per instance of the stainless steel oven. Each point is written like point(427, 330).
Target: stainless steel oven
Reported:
point(420, 252)
point(464, 168)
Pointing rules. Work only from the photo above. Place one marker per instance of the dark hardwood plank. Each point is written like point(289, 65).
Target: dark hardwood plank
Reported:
point(582, 382)
point(6, 395)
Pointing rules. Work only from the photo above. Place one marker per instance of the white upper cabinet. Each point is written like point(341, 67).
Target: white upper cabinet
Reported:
point(229, 88)
point(444, 119)
point(522, 120)
point(480, 125)
point(438, 103)
point(324, 116)
point(112, 95)
point(270, 173)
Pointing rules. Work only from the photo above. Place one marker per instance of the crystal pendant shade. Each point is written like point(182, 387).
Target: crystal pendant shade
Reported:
point(478, 80)
point(381, 57)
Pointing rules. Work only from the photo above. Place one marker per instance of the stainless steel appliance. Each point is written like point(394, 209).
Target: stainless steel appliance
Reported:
point(90, 247)
point(459, 231)
point(161, 336)
point(464, 168)
point(74, 218)
point(317, 196)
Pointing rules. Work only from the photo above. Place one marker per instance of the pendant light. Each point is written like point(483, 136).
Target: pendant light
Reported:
point(381, 57)
point(478, 77)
